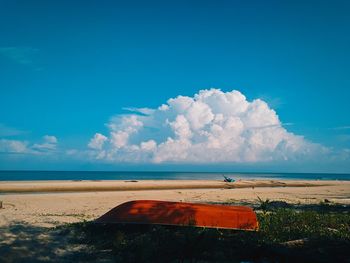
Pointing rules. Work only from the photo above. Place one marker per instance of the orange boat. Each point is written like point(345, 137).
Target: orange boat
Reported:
point(182, 214)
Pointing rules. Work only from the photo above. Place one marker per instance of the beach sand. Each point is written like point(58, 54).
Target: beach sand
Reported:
point(51, 203)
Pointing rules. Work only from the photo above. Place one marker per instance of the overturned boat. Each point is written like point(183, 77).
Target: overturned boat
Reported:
point(182, 214)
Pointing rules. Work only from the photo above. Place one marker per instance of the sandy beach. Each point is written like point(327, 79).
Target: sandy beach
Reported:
point(51, 203)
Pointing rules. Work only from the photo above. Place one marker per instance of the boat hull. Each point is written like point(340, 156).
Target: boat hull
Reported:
point(182, 214)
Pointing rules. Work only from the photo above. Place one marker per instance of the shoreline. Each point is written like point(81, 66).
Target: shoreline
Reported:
point(8, 187)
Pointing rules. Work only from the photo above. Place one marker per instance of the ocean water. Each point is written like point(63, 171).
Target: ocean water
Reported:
point(104, 175)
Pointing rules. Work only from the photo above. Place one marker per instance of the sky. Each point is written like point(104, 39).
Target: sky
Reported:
point(175, 85)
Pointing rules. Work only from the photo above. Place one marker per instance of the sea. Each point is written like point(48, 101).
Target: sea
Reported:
point(128, 175)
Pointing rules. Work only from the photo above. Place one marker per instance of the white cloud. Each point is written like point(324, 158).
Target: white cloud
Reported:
point(210, 127)
point(50, 139)
point(148, 146)
point(13, 146)
point(97, 141)
point(145, 111)
point(48, 145)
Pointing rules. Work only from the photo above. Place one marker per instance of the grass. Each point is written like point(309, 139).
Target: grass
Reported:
point(316, 234)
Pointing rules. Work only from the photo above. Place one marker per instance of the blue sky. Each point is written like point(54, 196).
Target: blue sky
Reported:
point(67, 67)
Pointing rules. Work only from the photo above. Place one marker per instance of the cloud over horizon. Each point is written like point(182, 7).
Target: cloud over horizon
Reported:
point(211, 127)
point(47, 146)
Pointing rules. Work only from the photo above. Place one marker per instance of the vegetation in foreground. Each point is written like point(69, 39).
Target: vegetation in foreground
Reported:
point(305, 234)
point(288, 233)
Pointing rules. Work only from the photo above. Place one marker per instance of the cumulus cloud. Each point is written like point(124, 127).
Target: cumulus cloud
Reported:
point(13, 146)
point(50, 139)
point(97, 141)
point(211, 127)
point(48, 145)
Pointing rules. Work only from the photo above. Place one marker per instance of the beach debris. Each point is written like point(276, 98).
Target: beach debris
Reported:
point(1, 205)
point(228, 179)
point(182, 214)
point(295, 243)
point(333, 230)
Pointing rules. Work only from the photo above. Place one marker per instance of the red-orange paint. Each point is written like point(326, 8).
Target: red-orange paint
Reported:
point(176, 213)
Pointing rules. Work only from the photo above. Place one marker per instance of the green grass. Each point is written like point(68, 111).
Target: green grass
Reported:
point(287, 224)
point(324, 235)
